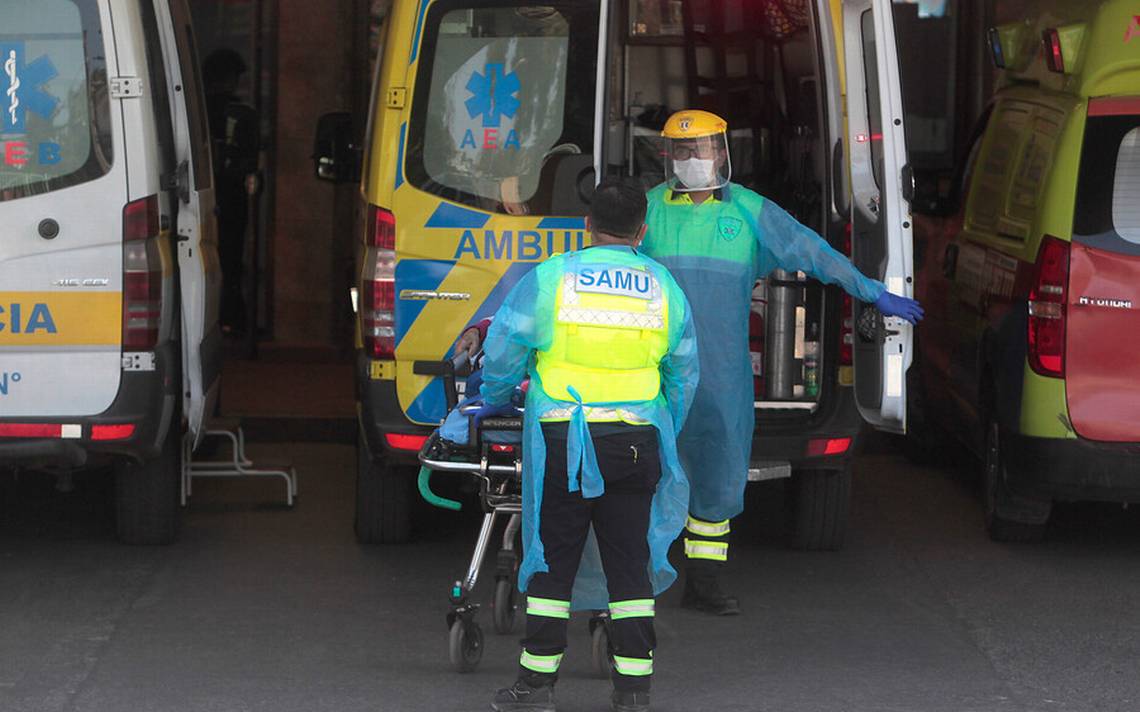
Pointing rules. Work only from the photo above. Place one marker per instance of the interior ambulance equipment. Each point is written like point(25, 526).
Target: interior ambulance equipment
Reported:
point(490, 124)
point(1031, 276)
point(109, 277)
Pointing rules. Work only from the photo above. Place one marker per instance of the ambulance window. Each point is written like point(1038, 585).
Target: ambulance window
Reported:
point(55, 123)
point(503, 112)
point(157, 82)
point(871, 71)
point(195, 96)
point(1108, 191)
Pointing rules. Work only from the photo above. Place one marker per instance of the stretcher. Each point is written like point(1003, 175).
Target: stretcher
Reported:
point(491, 453)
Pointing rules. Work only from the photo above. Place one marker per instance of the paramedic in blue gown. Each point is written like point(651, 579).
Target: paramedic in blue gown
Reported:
point(718, 238)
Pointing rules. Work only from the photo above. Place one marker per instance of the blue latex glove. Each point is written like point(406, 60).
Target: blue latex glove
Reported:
point(493, 411)
point(902, 307)
point(474, 382)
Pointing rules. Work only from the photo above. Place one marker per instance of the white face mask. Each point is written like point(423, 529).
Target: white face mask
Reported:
point(695, 173)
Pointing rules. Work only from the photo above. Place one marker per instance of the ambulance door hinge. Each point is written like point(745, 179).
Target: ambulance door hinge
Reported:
point(126, 87)
point(396, 97)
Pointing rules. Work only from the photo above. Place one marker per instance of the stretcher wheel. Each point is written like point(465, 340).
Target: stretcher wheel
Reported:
point(465, 645)
point(600, 651)
point(504, 606)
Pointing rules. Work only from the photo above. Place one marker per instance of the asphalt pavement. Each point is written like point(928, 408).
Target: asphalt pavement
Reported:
point(263, 609)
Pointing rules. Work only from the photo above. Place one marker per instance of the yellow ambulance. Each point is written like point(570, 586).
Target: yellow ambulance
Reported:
point(490, 124)
point(1032, 282)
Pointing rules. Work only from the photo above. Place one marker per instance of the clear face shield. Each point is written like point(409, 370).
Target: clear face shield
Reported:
point(695, 164)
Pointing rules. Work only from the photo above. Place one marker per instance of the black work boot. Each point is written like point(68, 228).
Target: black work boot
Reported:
point(525, 695)
point(630, 701)
point(703, 593)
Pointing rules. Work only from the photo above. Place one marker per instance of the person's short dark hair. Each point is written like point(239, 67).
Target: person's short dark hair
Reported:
point(223, 64)
point(618, 208)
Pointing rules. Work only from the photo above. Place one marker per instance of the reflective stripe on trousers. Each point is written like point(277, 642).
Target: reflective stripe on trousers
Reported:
point(711, 550)
point(638, 608)
point(707, 529)
point(540, 663)
point(547, 607)
point(633, 667)
point(706, 540)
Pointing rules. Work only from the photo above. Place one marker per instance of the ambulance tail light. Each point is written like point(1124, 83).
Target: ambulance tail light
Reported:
point(847, 326)
point(827, 447)
point(378, 307)
point(142, 275)
point(1047, 311)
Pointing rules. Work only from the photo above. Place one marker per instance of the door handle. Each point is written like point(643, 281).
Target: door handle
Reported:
point(950, 261)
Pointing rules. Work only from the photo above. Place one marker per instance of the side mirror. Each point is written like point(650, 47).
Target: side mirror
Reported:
point(336, 156)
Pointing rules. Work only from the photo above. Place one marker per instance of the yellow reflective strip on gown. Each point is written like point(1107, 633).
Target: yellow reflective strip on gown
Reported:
point(540, 663)
point(712, 550)
point(633, 667)
point(703, 528)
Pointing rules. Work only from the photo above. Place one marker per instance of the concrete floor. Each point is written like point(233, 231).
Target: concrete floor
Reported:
point(258, 608)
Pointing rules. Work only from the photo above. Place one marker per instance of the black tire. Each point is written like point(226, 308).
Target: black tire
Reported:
point(147, 494)
point(600, 652)
point(383, 499)
point(465, 645)
point(503, 606)
point(821, 501)
point(1009, 518)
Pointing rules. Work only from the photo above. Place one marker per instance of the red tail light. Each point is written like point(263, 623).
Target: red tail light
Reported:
point(378, 308)
point(1047, 309)
point(847, 329)
point(112, 432)
point(1054, 57)
point(400, 441)
point(142, 275)
point(828, 446)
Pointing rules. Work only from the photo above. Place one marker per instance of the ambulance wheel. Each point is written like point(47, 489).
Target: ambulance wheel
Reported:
point(600, 652)
point(147, 493)
point(821, 501)
point(383, 499)
point(465, 645)
point(504, 606)
point(1009, 518)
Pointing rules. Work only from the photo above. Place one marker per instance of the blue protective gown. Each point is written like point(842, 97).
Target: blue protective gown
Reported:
point(524, 325)
point(716, 251)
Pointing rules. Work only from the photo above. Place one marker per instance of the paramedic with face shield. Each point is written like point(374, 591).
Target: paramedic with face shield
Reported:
point(606, 337)
point(718, 238)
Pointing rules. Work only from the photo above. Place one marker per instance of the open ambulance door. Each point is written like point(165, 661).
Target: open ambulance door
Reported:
point(882, 186)
point(601, 92)
point(198, 264)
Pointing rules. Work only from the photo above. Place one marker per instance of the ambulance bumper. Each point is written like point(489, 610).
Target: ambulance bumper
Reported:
point(146, 404)
point(380, 415)
point(1072, 470)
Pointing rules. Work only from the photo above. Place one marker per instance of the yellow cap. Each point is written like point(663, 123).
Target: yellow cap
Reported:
point(694, 123)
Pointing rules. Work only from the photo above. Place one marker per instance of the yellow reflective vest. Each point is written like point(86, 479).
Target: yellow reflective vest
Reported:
point(610, 333)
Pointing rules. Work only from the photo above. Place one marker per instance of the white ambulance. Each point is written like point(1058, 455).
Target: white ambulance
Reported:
point(109, 277)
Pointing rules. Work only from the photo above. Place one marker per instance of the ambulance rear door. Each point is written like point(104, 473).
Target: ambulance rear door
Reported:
point(63, 187)
point(882, 187)
point(198, 264)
